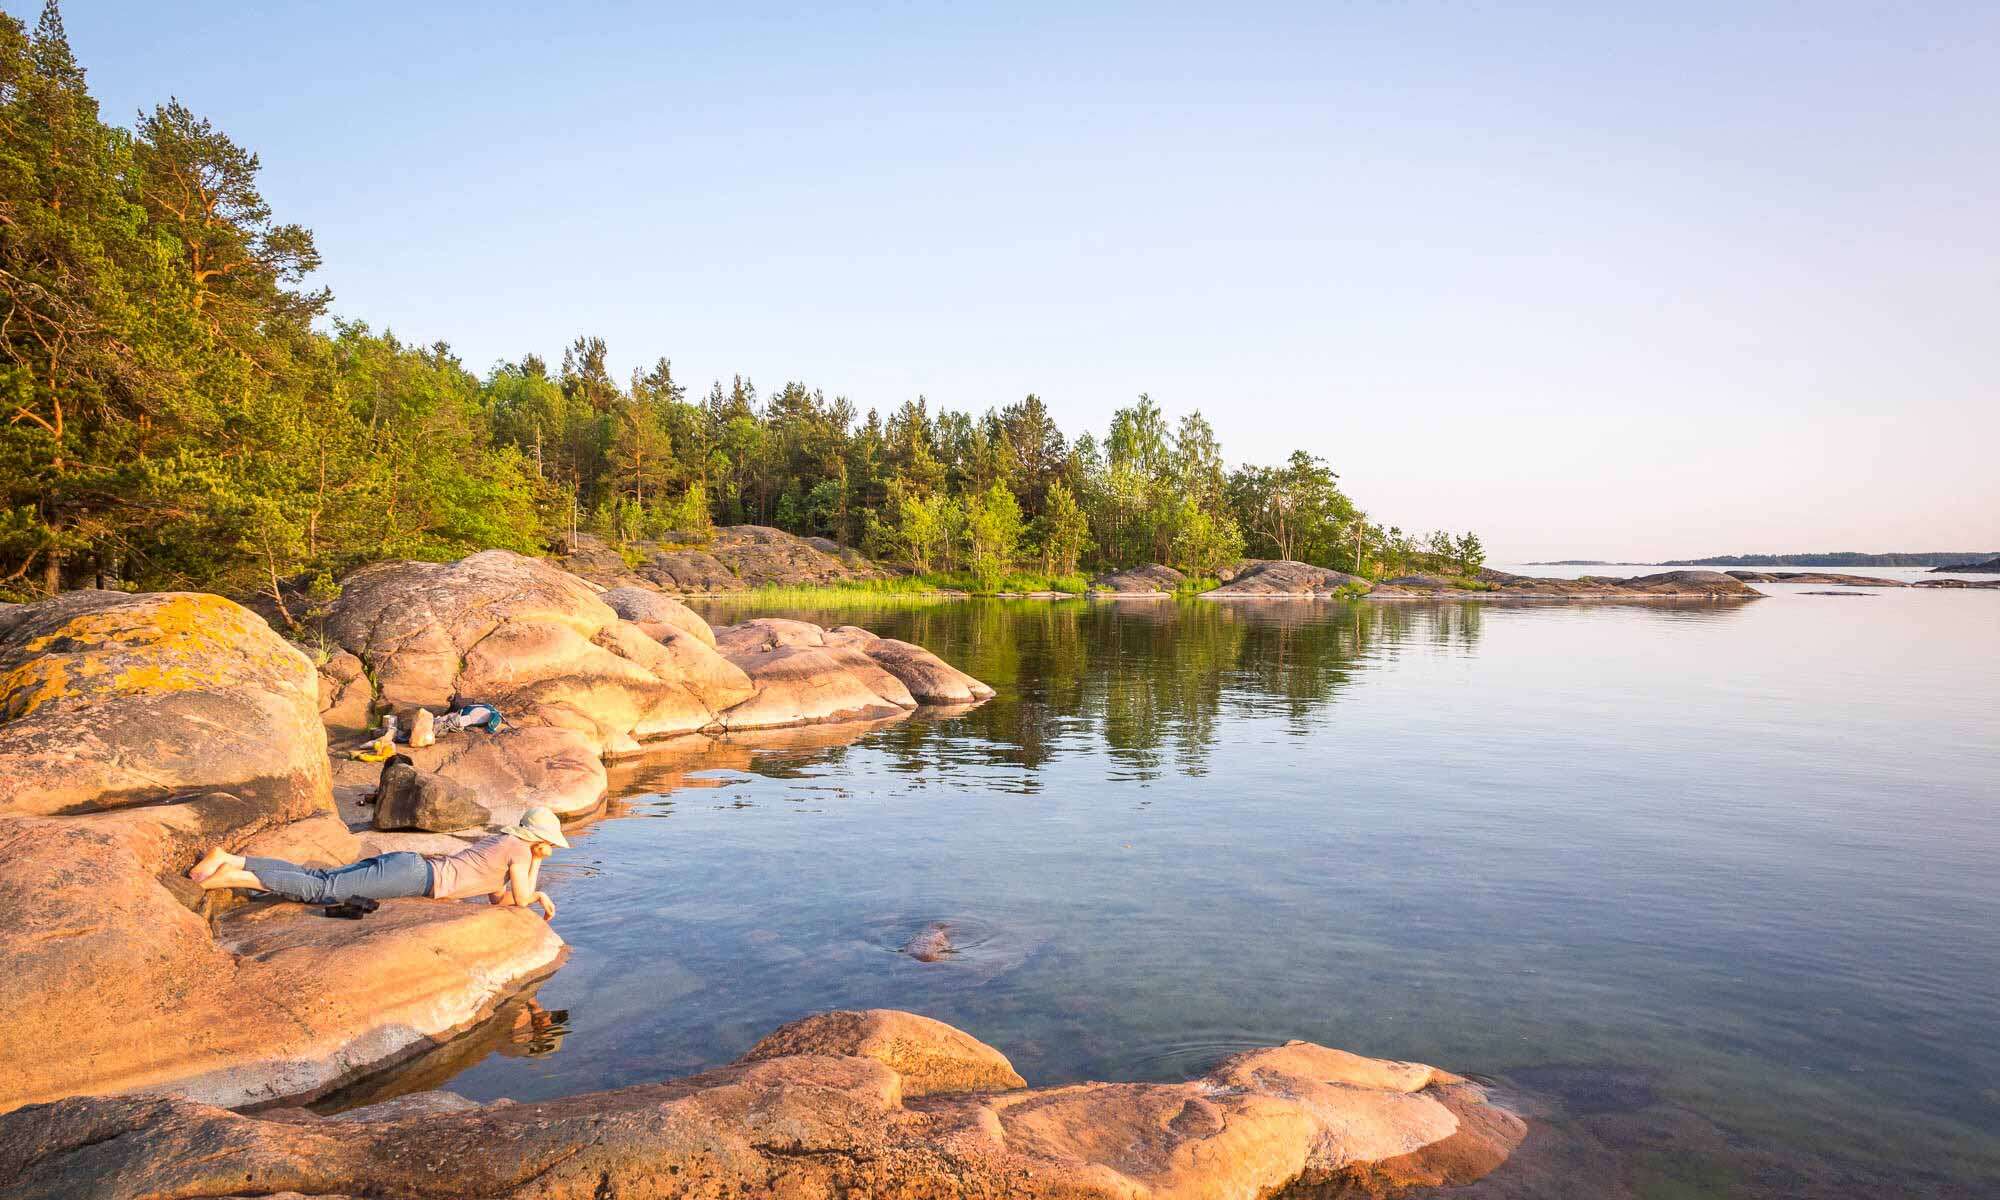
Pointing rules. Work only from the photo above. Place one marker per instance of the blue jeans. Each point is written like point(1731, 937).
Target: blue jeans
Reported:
point(384, 877)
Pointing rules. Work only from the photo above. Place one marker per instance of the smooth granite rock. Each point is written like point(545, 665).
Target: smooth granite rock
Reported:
point(1282, 577)
point(657, 614)
point(837, 1116)
point(135, 733)
point(931, 1056)
point(109, 699)
point(1153, 579)
point(542, 646)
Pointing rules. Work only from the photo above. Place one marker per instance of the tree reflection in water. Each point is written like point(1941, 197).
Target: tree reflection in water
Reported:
point(1089, 673)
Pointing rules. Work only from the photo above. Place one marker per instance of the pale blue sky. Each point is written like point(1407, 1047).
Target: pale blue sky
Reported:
point(1674, 279)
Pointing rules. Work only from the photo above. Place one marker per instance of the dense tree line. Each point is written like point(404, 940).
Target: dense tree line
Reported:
point(182, 410)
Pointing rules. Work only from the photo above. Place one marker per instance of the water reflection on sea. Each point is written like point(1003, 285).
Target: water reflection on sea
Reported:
point(1709, 889)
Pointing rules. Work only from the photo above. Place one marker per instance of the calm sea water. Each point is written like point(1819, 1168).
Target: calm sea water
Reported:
point(1709, 890)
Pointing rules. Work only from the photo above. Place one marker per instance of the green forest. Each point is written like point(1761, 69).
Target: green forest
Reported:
point(184, 410)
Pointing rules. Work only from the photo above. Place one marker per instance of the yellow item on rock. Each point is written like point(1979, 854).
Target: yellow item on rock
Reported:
point(378, 750)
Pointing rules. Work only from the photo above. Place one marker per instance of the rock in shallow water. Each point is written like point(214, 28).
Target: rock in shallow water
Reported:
point(930, 944)
point(824, 1110)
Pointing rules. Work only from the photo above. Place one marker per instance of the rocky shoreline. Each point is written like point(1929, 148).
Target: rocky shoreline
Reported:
point(876, 1103)
point(137, 730)
point(1278, 579)
point(744, 558)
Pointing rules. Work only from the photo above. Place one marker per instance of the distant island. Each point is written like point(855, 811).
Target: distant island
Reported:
point(1961, 559)
point(1990, 567)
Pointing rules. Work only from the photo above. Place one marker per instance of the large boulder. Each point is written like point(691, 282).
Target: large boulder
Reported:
point(931, 1056)
point(1153, 579)
point(582, 676)
point(542, 646)
point(803, 685)
point(426, 801)
point(109, 699)
point(732, 559)
point(346, 694)
point(658, 615)
point(1284, 577)
point(524, 635)
point(930, 679)
point(812, 1123)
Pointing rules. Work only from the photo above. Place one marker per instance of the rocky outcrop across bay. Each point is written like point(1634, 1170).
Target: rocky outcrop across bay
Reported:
point(735, 558)
point(1833, 577)
point(1261, 578)
point(1491, 585)
point(1152, 579)
point(1989, 566)
point(879, 1103)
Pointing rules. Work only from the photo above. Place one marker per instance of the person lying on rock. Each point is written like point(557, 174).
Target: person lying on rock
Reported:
point(505, 868)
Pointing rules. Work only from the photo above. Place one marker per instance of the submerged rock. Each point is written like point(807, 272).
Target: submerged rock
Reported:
point(876, 1103)
point(930, 944)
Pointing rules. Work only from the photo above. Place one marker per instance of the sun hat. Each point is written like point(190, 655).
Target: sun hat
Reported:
point(539, 824)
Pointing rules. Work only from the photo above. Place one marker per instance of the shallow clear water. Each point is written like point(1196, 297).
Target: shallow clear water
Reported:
point(1711, 890)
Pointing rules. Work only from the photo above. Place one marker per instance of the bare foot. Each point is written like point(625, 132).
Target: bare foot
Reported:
point(232, 877)
point(215, 860)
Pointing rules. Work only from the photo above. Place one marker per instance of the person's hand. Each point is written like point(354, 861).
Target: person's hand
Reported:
point(548, 905)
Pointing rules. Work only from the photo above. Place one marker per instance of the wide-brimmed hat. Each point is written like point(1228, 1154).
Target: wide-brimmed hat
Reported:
point(539, 824)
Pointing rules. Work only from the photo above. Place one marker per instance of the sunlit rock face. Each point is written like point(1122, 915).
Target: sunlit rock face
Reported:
point(734, 558)
point(583, 675)
point(135, 732)
point(109, 700)
point(1153, 579)
point(575, 680)
point(1283, 577)
point(870, 1103)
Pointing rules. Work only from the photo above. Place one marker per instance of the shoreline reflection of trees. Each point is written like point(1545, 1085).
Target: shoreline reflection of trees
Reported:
point(1151, 680)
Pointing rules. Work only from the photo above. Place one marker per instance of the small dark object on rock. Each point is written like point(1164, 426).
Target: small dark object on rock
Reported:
point(351, 910)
